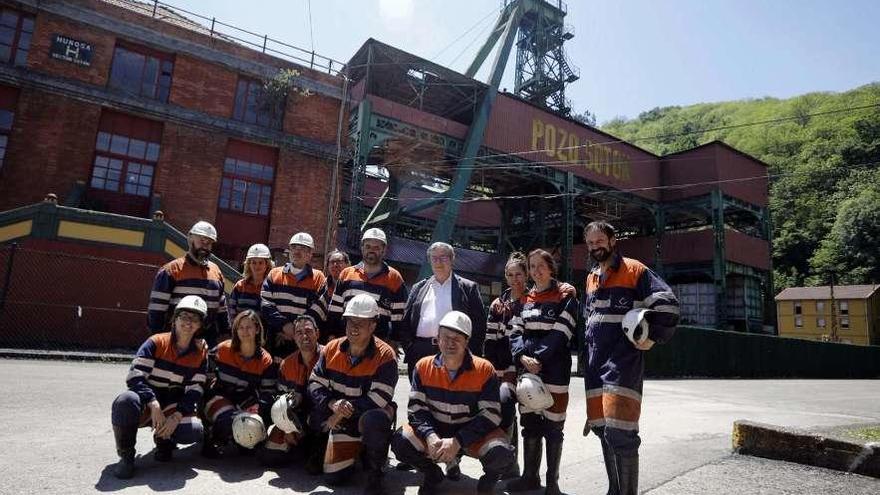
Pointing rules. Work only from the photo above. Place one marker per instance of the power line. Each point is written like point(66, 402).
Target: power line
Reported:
point(311, 32)
point(462, 35)
point(628, 190)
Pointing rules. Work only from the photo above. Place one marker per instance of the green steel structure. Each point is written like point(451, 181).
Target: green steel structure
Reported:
point(406, 114)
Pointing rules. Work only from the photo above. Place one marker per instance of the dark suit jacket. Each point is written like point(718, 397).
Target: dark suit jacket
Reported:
point(465, 298)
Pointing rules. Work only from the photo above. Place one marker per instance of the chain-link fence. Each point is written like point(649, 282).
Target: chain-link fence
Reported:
point(61, 301)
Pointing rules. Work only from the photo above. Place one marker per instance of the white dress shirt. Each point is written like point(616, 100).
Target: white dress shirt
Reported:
point(435, 305)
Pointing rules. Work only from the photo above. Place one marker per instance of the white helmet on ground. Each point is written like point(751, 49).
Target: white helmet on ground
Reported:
point(303, 239)
point(361, 306)
point(532, 393)
point(204, 228)
point(457, 321)
point(283, 413)
point(248, 430)
point(258, 251)
point(193, 303)
point(635, 326)
point(374, 233)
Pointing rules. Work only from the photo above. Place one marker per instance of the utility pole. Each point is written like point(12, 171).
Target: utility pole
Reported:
point(834, 336)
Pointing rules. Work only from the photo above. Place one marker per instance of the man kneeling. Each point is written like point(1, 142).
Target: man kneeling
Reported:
point(454, 405)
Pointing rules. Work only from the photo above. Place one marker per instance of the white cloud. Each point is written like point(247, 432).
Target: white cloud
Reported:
point(394, 11)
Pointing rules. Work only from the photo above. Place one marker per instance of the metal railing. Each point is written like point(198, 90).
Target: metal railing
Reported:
point(234, 34)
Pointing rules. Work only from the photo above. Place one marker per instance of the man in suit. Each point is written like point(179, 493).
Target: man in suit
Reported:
point(433, 297)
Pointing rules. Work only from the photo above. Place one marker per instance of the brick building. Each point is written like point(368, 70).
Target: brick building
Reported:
point(121, 107)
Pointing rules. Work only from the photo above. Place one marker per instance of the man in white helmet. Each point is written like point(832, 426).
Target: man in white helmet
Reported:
point(292, 290)
point(293, 381)
point(454, 405)
point(372, 276)
point(194, 274)
point(352, 387)
point(615, 365)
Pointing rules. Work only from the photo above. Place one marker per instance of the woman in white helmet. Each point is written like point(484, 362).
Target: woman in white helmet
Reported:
point(246, 292)
point(245, 381)
point(165, 386)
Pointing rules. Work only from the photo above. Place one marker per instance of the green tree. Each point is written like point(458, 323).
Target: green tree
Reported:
point(852, 248)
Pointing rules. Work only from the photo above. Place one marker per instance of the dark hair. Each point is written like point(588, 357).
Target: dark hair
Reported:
point(519, 259)
point(307, 318)
point(602, 226)
point(252, 315)
point(334, 253)
point(547, 257)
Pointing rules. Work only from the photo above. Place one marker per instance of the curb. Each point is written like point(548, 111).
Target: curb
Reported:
point(102, 357)
point(803, 447)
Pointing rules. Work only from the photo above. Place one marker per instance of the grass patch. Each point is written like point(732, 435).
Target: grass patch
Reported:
point(871, 434)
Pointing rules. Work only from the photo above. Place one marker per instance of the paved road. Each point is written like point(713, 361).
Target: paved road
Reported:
point(57, 439)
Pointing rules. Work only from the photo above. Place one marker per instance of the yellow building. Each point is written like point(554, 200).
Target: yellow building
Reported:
point(806, 313)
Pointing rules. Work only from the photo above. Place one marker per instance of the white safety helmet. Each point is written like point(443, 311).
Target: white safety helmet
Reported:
point(258, 251)
point(193, 303)
point(458, 321)
point(204, 228)
point(248, 429)
point(374, 233)
point(532, 393)
point(303, 239)
point(283, 413)
point(361, 306)
point(635, 326)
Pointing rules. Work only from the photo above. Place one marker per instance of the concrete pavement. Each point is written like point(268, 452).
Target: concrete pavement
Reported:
point(57, 439)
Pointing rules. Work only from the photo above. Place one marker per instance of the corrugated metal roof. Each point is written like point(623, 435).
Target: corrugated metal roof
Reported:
point(824, 292)
point(401, 250)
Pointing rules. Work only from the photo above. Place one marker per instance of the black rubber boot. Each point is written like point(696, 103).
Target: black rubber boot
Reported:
point(554, 458)
point(628, 474)
point(531, 464)
point(610, 463)
point(433, 476)
point(486, 484)
point(211, 448)
point(453, 469)
point(513, 437)
point(164, 449)
point(125, 440)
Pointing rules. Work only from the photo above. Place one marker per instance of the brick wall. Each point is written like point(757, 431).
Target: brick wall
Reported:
point(50, 148)
point(188, 174)
point(199, 85)
point(301, 198)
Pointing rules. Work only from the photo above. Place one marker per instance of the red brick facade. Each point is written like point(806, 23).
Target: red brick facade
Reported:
point(52, 144)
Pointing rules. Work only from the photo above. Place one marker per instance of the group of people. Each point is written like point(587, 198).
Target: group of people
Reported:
point(296, 366)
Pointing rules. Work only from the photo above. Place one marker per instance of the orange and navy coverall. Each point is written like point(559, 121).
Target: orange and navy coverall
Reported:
point(386, 287)
point(464, 406)
point(615, 368)
point(241, 384)
point(294, 377)
point(176, 380)
point(183, 277)
point(542, 330)
point(287, 295)
point(497, 351)
point(367, 382)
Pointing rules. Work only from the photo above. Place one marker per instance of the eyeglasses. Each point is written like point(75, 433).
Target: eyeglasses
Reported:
point(443, 258)
point(189, 319)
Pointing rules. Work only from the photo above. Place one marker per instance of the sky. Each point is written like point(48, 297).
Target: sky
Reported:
point(633, 55)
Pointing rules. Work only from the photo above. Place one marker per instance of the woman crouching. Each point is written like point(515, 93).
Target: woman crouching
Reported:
point(165, 386)
point(238, 402)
